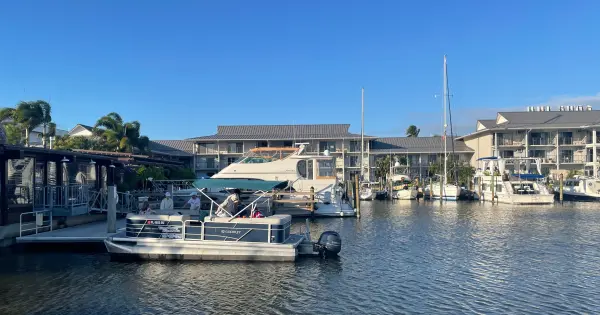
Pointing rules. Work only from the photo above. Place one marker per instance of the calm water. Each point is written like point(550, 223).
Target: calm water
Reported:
point(399, 258)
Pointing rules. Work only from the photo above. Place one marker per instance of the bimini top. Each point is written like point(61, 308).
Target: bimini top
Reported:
point(487, 158)
point(528, 176)
point(239, 184)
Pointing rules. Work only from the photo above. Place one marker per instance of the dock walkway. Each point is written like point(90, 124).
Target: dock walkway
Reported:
point(84, 233)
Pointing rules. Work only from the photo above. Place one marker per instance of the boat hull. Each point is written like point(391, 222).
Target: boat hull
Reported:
point(450, 192)
point(406, 194)
point(165, 249)
point(533, 199)
point(567, 196)
point(367, 196)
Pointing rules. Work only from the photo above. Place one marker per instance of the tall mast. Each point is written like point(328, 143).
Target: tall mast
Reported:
point(445, 124)
point(362, 133)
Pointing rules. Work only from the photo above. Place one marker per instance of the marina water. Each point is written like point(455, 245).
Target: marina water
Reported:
point(401, 257)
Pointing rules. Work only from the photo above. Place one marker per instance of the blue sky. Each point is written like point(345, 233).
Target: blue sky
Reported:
point(183, 67)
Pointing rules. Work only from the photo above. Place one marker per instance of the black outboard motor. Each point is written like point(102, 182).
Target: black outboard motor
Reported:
point(329, 244)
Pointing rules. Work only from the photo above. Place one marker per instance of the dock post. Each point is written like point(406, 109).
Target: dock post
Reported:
point(430, 188)
point(312, 200)
point(111, 213)
point(170, 189)
point(441, 191)
point(357, 197)
point(560, 187)
point(493, 186)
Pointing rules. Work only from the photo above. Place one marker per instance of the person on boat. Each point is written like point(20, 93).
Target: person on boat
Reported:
point(194, 204)
point(146, 209)
point(167, 202)
point(230, 204)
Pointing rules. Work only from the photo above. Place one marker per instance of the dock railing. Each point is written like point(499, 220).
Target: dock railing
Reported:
point(65, 197)
point(126, 202)
point(39, 222)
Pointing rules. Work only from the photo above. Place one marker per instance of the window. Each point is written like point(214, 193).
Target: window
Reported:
point(354, 146)
point(231, 160)
point(309, 169)
point(537, 153)
point(326, 168)
point(354, 161)
point(507, 154)
point(301, 167)
point(566, 156)
point(566, 138)
point(327, 145)
point(432, 158)
point(262, 144)
point(288, 144)
point(236, 147)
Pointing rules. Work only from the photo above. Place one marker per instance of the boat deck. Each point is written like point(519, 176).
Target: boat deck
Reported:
point(84, 233)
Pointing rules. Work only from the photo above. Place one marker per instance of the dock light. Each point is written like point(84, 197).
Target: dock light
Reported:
point(150, 178)
point(92, 162)
point(111, 166)
point(64, 160)
point(397, 164)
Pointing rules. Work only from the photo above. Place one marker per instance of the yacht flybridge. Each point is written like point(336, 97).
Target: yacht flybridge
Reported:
point(492, 180)
point(302, 171)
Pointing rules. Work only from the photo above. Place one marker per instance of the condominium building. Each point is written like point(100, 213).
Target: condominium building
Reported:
point(564, 139)
point(214, 152)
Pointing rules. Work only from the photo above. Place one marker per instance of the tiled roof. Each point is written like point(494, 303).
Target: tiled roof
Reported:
point(488, 123)
point(556, 119)
point(281, 132)
point(172, 147)
point(416, 145)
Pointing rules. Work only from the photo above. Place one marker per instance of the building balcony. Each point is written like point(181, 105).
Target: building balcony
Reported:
point(572, 160)
point(572, 141)
point(207, 166)
point(510, 143)
point(542, 142)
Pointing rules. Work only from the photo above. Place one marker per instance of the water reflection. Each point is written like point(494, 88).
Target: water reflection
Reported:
point(401, 257)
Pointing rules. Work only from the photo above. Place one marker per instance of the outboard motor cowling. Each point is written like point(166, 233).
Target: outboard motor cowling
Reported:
point(329, 244)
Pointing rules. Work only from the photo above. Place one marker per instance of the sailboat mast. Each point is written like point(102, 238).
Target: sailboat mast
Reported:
point(362, 133)
point(445, 124)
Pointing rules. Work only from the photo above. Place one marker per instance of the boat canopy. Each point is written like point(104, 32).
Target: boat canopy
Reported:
point(239, 184)
point(487, 158)
point(528, 176)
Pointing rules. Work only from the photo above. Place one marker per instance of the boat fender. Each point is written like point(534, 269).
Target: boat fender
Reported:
point(329, 244)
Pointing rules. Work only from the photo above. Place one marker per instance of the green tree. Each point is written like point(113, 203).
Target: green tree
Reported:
point(28, 116)
point(14, 133)
point(458, 172)
point(119, 135)
point(180, 173)
point(412, 131)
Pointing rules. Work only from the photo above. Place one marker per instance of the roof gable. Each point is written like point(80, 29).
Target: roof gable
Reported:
point(416, 145)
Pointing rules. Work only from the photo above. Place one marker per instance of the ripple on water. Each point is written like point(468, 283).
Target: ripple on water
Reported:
point(399, 258)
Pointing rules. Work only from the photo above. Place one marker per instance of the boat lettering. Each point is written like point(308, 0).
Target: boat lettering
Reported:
point(169, 229)
point(231, 231)
point(170, 235)
point(155, 222)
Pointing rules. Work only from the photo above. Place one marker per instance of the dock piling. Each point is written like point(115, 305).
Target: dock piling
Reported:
point(560, 187)
point(111, 213)
point(357, 197)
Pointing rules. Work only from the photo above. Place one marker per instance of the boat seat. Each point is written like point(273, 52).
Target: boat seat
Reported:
point(280, 219)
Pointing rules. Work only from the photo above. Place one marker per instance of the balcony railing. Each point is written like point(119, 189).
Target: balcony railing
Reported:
point(207, 150)
point(235, 150)
point(510, 142)
point(541, 141)
point(207, 165)
point(572, 159)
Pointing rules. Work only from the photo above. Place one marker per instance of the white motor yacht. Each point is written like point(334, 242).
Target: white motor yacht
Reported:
point(580, 188)
point(303, 171)
point(401, 188)
point(366, 192)
point(492, 180)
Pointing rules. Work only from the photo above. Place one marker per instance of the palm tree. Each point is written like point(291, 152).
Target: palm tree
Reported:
point(122, 136)
point(30, 115)
point(412, 131)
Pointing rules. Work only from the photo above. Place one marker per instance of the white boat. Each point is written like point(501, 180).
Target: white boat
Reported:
point(302, 171)
point(401, 188)
point(580, 188)
point(443, 189)
point(213, 237)
point(366, 192)
point(492, 180)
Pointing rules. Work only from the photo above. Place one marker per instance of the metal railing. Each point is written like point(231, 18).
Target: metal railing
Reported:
point(126, 202)
point(39, 221)
point(163, 185)
point(541, 141)
point(61, 196)
point(184, 224)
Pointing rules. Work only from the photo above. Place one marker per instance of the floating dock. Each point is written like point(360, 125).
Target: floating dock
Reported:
point(85, 233)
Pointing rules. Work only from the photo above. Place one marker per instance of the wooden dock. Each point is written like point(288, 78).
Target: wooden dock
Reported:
point(94, 232)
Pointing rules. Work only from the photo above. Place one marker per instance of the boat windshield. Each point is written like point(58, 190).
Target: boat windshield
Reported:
point(266, 155)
